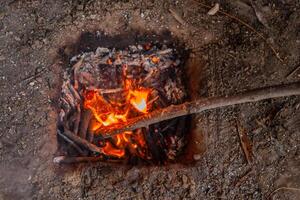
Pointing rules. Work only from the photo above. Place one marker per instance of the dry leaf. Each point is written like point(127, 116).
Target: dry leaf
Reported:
point(214, 9)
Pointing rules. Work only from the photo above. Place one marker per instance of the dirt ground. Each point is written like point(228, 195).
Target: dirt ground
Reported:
point(225, 57)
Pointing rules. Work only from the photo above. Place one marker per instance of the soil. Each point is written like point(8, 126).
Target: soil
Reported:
point(225, 57)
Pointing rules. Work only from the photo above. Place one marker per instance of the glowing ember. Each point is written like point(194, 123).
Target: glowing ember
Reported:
point(110, 150)
point(107, 115)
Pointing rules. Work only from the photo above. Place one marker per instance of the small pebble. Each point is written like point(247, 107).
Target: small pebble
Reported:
point(17, 38)
point(196, 156)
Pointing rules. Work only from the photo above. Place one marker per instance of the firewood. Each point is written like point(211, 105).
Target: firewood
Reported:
point(77, 119)
point(84, 124)
point(109, 91)
point(81, 141)
point(68, 97)
point(75, 71)
point(204, 104)
point(70, 160)
point(74, 92)
point(73, 144)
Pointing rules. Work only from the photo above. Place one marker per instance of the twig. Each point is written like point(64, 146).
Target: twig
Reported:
point(243, 178)
point(82, 142)
point(177, 17)
point(247, 25)
point(34, 76)
point(201, 105)
point(245, 143)
point(293, 72)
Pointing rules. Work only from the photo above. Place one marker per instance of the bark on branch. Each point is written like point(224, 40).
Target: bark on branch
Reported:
point(204, 104)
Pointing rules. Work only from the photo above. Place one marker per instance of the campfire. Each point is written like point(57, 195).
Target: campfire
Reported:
point(130, 105)
point(107, 88)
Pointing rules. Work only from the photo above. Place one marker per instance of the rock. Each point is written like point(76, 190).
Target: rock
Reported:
point(37, 45)
point(80, 7)
point(133, 175)
point(2, 58)
point(185, 184)
point(196, 156)
point(93, 16)
point(17, 38)
point(2, 14)
point(40, 20)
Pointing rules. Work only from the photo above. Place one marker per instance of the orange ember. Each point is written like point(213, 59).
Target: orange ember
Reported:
point(111, 113)
point(155, 59)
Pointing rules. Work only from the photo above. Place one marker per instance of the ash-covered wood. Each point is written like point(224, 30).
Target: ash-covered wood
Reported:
point(105, 71)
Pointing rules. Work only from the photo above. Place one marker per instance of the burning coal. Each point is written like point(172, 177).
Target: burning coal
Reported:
point(108, 87)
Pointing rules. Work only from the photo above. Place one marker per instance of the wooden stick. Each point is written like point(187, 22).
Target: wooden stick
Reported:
point(73, 144)
point(204, 104)
point(293, 72)
point(85, 121)
point(70, 160)
point(82, 142)
point(77, 119)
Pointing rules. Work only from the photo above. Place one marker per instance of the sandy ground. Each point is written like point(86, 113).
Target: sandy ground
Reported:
point(225, 57)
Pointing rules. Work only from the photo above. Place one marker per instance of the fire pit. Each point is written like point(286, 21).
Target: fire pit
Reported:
point(108, 87)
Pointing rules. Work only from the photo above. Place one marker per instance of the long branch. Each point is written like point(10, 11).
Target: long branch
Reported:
point(204, 104)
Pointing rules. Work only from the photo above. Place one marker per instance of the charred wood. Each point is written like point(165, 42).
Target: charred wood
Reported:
point(83, 142)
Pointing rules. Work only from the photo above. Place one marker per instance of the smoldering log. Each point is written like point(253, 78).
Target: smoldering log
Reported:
point(204, 104)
